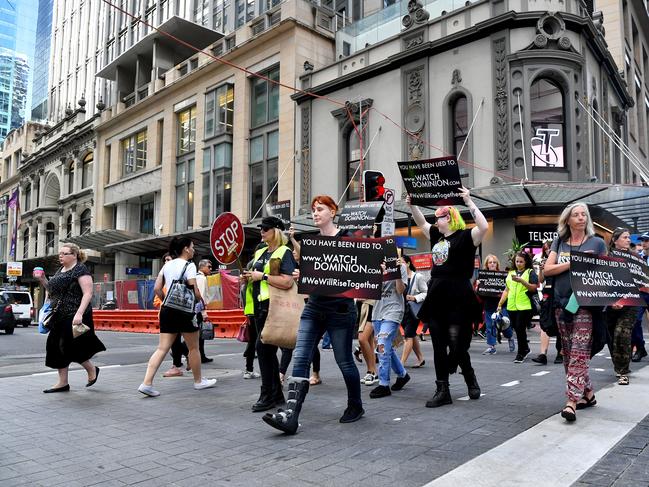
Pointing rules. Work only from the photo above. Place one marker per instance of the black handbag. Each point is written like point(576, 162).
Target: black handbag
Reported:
point(547, 318)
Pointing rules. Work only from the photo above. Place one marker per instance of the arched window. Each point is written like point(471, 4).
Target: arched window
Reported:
point(50, 231)
point(84, 222)
point(548, 124)
point(26, 244)
point(352, 161)
point(28, 197)
point(460, 122)
point(68, 227)
point(71, 178)
point(86, 171)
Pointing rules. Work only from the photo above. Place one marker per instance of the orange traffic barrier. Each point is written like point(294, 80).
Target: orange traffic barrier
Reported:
point(226, 322)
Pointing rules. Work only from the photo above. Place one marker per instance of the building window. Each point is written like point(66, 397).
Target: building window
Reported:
point(460, 124)
point(244, 11)
point(146, 217)
point(134, 152)
point(50, 231)
point(548, 125)
point(186, 131)
point(265, 98)
point(353, 161)
point(3, 242)
point(219, 110)
point(68, 227)
point(84, 222)
point(26, 244)
point(71, 178)
point(86, 171)
point(28, 197)
point(184, 195)
point(263, 170)
point(642, 136)
point(217, 181)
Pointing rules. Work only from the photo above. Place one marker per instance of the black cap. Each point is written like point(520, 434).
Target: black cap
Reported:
point(272, 222)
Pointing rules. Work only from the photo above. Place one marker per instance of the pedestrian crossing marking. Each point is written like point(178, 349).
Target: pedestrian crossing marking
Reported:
point(510, 384)
point(539, 374)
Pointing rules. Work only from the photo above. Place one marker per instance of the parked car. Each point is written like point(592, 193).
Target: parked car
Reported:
point(7, 320)
point(22, 305)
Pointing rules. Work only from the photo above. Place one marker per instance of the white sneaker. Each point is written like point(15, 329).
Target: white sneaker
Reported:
point(251, 375)
point(371, 379)
point(204, 384)
point(148, 390)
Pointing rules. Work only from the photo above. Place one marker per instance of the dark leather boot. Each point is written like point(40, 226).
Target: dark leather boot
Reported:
point(265, 402)
point(442, 395)
point(472, 384)
point(287, 420)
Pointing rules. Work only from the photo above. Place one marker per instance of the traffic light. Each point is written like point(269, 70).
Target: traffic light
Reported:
point(373, 185)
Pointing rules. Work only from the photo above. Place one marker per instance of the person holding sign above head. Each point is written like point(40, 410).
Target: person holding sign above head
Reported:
point(336, 315)
point(621, 319)
point(451, 306)
point(576, 233)
point(521, 281)
point(259, 278)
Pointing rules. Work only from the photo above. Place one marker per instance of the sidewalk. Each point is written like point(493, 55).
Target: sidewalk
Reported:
point(112, 435)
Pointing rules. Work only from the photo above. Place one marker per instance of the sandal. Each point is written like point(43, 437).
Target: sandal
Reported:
point(623, 380)
point(588, 404)
point(568, 413)
point(314, 381)
point(419, 365)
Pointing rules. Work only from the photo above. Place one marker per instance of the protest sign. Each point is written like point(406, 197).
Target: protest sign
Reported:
point(638, 267)
point(281, 210)
point(599, 280)
point(392, 267)
point(432, 182)
point(358, 218)
point(342, 267)
point(491, 283)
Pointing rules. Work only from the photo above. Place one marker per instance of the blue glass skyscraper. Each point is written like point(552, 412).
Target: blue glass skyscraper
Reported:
point(42, 60)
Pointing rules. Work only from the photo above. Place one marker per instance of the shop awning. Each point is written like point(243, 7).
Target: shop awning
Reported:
point(102, 239)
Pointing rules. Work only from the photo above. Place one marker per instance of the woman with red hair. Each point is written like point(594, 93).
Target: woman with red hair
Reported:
point(451, 305)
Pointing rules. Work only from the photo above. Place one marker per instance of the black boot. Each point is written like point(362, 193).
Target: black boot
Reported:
point(442, 395)
point(287, 420)
point(265, 402)
point(472, 384)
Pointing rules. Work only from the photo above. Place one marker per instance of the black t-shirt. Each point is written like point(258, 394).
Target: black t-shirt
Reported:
point(453, 256)
point(287, 266)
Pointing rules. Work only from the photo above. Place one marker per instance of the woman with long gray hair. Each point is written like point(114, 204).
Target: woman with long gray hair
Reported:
point(576, 234)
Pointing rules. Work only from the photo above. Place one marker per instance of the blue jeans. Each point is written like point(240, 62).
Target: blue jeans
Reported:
point(385, 331)
point(340, 324)
point(492, 329)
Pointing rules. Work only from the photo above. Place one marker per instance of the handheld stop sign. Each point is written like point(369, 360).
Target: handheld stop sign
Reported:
point(227, 238)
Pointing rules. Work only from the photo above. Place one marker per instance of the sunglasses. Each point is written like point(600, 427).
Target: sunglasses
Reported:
point(265, 228)
point(438, 218)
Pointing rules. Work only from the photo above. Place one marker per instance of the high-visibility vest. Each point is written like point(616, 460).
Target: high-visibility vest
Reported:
point(264, 294)
point(517, 299)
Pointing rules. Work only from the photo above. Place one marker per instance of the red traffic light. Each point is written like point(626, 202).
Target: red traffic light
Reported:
point(373, 184)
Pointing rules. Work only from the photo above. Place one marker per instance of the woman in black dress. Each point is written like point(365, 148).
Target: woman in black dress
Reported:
point(70, 293)
point(451, 306)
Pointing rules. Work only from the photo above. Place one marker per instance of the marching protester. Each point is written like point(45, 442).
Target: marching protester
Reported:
point(621, 319)
point(521, 281)
point(70, 294)
point(259, 278)
point(175, 321)
point(637, 338)
point(451, 306)
point(576, 233)
point(539, 264)
point(490, 305)
point(387, 315)
point(322, 313)
point(416, 289)
point(204, 270)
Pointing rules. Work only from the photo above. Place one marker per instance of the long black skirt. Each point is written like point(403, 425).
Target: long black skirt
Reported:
point(62, 349)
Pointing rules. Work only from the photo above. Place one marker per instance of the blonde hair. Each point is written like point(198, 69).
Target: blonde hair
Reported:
point(486, 261)
point(278, 239)
point(76, 250)
point(563, 229)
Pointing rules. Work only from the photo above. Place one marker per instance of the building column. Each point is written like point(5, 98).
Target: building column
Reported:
point(40, 231)
point(33, 236)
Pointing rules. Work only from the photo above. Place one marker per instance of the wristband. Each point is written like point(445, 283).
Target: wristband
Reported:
point(265, 277)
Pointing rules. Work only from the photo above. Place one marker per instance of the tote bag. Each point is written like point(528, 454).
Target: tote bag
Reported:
point(179, 296)
point(284, 312)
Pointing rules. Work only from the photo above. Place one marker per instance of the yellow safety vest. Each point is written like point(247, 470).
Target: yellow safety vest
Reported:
point(264, 294)
point(517, 299)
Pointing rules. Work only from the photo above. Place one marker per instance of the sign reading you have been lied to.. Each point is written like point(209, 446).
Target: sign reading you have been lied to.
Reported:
point(432, 182)
point(343, 267)
point(491, 283)
point(599, 280)
point(359, 217)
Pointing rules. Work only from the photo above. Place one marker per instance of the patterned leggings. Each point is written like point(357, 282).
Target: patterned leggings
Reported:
point(620, 326)
point(576, 340)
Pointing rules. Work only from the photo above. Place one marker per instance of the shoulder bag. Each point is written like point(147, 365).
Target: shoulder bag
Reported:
point(179, 295)
point(284, 312)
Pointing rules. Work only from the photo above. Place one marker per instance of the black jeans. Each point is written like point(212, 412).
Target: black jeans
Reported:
point(451, 347)
point(249, 353)
point(267, 356)
point(520, 321)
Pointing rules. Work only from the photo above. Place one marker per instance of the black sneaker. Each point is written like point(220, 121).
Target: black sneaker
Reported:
point(519, 359)
point(639, 354)
point(558, 359)
point(400, 382)
point(541, 358)
point(351, 414)
point(380, 391)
